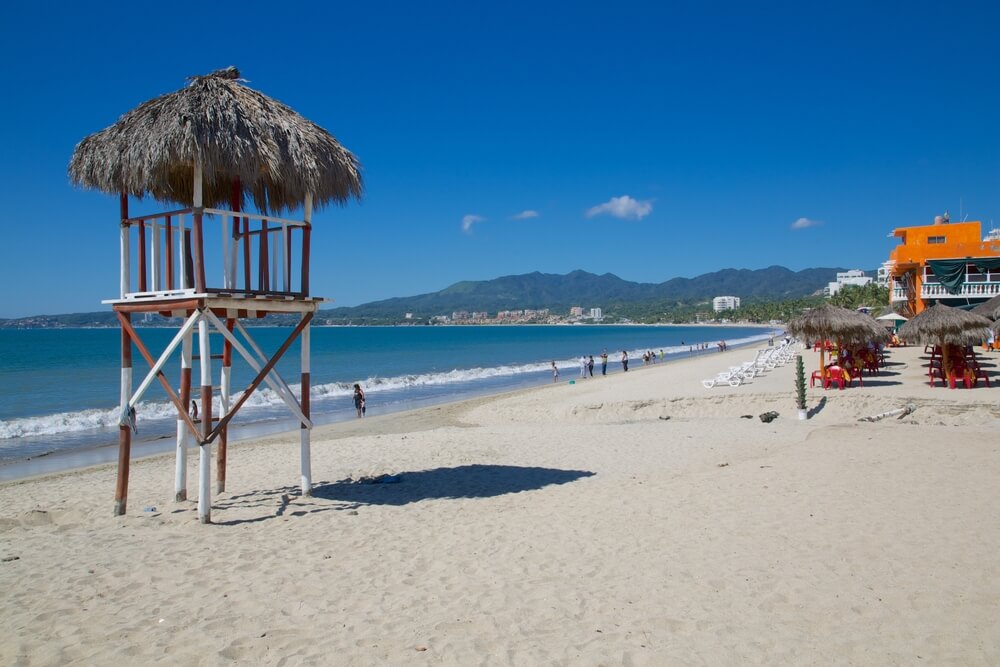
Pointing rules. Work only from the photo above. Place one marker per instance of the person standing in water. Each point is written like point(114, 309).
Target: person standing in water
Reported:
point(625, 361)
point(555, 372)
point(590, 365)
point(604, 362)
point(359, 400)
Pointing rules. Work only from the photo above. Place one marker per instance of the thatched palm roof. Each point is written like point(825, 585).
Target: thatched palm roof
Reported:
point(989, 309)
point(944, 324)
point(237, 132)
point(841, 324)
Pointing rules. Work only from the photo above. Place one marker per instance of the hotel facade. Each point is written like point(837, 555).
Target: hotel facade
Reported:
point(946, 262)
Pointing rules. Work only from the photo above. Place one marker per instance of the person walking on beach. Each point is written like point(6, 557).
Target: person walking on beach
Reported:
point(583, 367)
point(661, 355)
point(590, 365)
point(555, 372)
point(625, 361)
point(604, 362)
point(359, 400)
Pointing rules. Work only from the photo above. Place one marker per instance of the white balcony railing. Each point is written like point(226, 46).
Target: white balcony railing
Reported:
point(937, 291)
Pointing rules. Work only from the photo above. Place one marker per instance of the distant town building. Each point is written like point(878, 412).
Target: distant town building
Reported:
point(596, 314)
point(409, 316)
point(721, 303)
point(852, 277)
point(576, 311)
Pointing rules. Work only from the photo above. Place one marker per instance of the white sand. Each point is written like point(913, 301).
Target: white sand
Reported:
point(570, 524)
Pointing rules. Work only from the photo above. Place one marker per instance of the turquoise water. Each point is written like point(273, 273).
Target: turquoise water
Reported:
point(59, 388)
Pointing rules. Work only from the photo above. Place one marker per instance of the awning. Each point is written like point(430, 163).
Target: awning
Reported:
point(951, 272)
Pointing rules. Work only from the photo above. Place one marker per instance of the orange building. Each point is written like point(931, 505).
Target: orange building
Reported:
point(947, 262)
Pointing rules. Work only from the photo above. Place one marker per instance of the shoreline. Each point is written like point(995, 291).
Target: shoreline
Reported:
point(64, 459)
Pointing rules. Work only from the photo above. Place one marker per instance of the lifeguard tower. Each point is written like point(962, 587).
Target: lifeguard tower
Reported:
point(209, 149)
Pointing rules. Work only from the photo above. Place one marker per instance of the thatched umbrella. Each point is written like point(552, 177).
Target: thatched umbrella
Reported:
point(943, 325)
point(990, 309)
point(840, 324)
point(235, 132)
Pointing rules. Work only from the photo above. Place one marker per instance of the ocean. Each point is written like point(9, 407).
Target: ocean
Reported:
point(59, 388)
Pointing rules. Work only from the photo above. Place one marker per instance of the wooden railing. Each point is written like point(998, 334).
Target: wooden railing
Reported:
point(256, 255)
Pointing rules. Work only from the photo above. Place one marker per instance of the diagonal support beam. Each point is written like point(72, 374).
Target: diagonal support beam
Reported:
point(272, 378)
point(261, 375)
point(181, 409)
point(157, 369)
point(262, 358)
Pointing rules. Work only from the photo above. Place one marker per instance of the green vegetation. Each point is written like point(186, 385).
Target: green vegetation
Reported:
point(856, 296)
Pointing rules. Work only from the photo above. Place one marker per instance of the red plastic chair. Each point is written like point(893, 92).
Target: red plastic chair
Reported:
point(835, 375)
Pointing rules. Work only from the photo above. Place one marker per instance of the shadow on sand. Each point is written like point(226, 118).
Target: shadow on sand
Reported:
point(470, 481)
point(817, 408)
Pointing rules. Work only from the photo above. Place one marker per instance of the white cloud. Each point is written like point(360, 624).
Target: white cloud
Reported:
point(804, 223)
point(524, 215)
point(623, 207)
point(469, 220)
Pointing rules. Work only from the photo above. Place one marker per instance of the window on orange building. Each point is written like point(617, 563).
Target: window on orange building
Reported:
point(936, 239)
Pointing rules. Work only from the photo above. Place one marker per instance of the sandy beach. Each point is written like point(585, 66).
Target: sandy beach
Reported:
point(637, 519)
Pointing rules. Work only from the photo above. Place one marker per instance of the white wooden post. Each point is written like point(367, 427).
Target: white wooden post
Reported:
point(155, 258)
point(205, 457)
point(224, 410)
point(274, 260)
point(286, 274)
point(233, 246)
point(183, 437)
point(225, 252)
point(305, 430)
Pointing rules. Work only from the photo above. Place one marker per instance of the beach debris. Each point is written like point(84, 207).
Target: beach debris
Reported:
point(419, 647)
point(150, 508)
point(722, 465)
point(666, 418)
point(901, 412)
point(379, 479)
point(746, 416)
point(769, 416)
point(8, 559)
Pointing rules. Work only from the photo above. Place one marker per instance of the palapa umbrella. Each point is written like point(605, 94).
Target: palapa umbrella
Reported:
point(990, 309)
point(840, 324)
point(943, 325)
point(238, 134)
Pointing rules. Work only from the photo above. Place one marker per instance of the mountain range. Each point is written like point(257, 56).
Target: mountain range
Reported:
point(580, 288)
point(537, 290)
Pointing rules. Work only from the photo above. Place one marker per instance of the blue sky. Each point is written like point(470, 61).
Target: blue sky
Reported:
point(649, 140)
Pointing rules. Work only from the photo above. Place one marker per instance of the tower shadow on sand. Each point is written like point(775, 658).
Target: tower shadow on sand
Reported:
point(469, 481)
